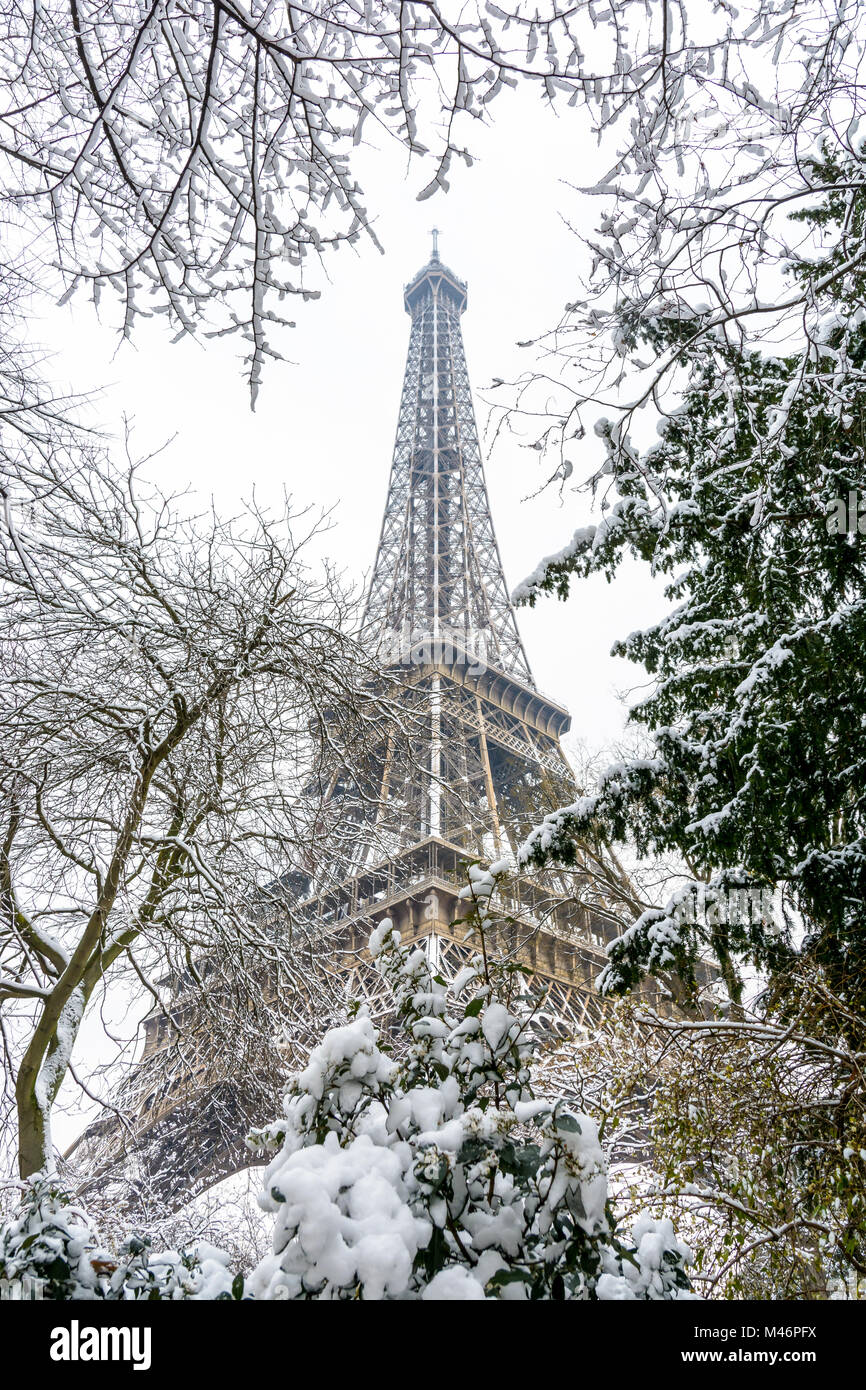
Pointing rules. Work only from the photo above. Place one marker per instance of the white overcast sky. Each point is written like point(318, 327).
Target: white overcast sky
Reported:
point(324, 422)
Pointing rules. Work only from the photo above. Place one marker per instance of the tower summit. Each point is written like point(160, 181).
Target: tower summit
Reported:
point(438, 574)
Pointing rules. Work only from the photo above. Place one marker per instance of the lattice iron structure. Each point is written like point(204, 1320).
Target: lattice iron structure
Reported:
point(438, 611)
point(438, 574)
point(484, 763)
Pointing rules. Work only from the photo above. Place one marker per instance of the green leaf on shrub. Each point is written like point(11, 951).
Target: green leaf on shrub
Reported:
point(520, 1163)
point(568, 1124)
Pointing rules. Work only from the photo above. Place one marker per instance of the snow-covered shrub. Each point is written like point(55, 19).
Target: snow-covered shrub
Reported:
point(200, 1272)
point(52, 1241)
point(52, 1245)
point(434, 1173)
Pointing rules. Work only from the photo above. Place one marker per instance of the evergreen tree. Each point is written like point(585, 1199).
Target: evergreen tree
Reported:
point(753, 502)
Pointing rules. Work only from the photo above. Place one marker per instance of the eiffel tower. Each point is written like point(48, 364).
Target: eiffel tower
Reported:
point(485, 765)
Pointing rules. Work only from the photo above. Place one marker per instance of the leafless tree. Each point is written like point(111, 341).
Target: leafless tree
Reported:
point(168, 680)
point(748, 1131)
point(193, 154)
point(721, 122)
